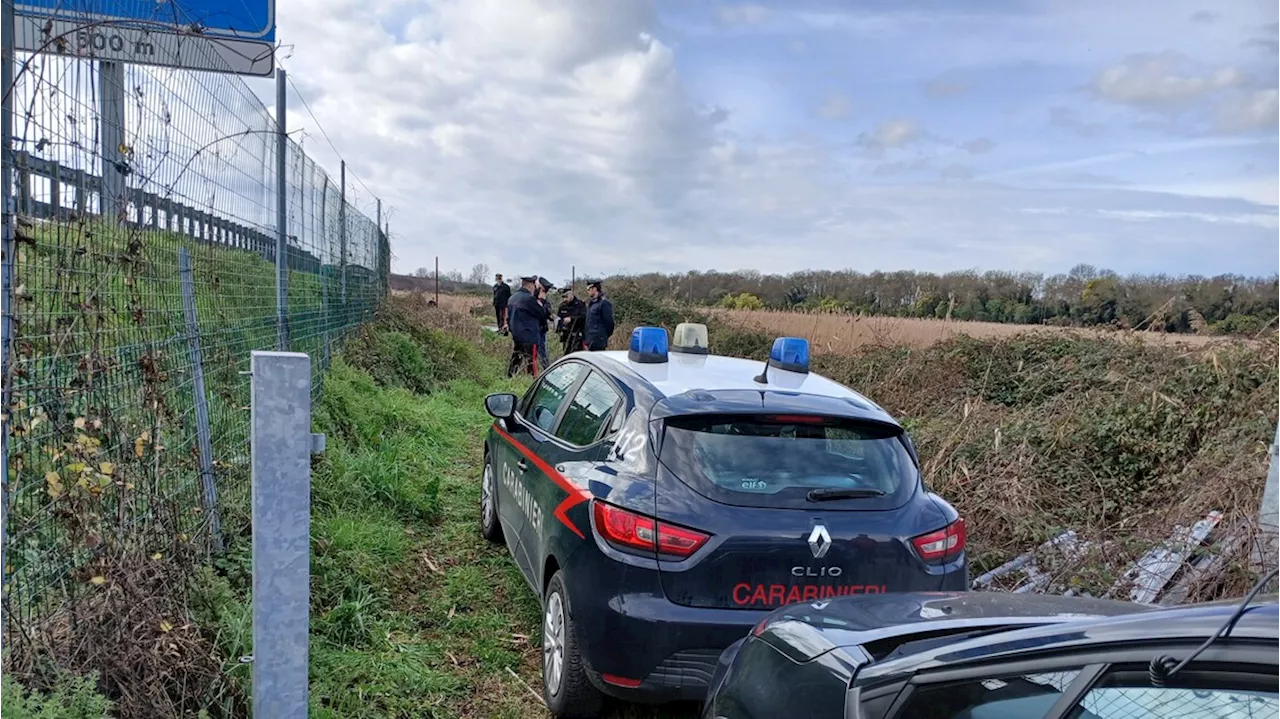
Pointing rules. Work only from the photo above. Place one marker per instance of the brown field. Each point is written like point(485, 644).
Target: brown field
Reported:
point(837, 334)
point(461, 304)
point(840, 334)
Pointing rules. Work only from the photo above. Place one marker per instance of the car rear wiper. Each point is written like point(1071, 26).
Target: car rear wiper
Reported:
point(824, 495)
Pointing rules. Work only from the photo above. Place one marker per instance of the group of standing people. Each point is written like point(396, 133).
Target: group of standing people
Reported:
point(528, 317)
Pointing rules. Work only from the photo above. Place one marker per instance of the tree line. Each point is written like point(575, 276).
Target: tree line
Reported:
point(1085, 296)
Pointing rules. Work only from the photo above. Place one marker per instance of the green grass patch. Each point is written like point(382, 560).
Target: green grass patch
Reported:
point(70, 697)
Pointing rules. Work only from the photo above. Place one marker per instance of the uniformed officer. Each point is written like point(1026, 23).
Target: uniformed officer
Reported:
point(525, 318)
point(571, 317)
point(501, 296)
point(544, 288)
point(599, 318)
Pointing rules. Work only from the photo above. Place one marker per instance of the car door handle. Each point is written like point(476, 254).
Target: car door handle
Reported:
point(523, 465)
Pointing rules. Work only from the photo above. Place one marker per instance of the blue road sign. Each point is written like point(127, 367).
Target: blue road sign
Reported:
point(236, 36)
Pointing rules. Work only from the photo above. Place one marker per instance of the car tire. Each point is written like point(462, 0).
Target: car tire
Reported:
point(566, 688)
point(490, 525)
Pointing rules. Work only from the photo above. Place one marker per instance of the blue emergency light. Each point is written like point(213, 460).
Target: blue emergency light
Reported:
point(648, 345)
point(790, 354)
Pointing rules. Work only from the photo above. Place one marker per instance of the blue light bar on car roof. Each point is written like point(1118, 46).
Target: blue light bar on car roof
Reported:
point(790, 354)
point(648, 345)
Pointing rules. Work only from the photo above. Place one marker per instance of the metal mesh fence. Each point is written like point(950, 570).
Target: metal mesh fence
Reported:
point(143, 274)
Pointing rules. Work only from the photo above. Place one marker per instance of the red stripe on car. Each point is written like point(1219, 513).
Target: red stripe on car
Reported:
point(576, 496)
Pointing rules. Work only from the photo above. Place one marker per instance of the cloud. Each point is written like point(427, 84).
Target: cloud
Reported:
point(836, 106)
point(742, 14)
point(891, 134)
point(1065, 117)
point(1246, 112)
point(900, 167)
point(1266, 39)
point(533, 136)
point(956, 171)
point(1083, 178)
point(979, 146)
point(944, 86)
point(1205, 17)
point(1162, 81)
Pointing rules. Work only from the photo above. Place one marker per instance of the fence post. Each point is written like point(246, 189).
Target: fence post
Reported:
point(204, 440)
point(342, 238)
point(7, 28)
point(1267, 543)
point(282, 210)
point(324, 276)
point(111, 99)
point(281, 487)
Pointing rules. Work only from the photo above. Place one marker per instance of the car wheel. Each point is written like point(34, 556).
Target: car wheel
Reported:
point(565, 687)
point(490, 526)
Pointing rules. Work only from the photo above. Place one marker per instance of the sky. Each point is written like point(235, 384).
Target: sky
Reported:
point(630, 136)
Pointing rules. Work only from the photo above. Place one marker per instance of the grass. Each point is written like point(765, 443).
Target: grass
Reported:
point(413, 614)
point(72, 697)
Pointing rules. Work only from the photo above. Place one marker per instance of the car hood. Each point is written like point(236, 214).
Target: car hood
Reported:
point(804, 631)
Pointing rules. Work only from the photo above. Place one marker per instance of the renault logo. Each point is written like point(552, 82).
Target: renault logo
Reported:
point(819, 542)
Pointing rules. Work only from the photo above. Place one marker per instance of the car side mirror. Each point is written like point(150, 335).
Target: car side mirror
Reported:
point(500, 406)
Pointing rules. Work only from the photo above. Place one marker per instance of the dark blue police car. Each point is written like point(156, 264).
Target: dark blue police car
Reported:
point(660, 501)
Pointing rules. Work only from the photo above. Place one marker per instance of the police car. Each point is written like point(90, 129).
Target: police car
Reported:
point(661, 501)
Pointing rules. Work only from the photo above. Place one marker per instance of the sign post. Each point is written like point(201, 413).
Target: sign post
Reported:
point(111, 139)
point(282, 216)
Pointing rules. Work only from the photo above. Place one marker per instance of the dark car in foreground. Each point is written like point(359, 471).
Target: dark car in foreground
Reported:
point(1001, 656)
point(661, 501)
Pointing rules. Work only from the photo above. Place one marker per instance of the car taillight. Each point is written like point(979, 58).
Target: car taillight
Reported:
point(630, 530)
point(943, 544)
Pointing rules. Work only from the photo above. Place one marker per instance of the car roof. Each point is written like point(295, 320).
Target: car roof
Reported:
point(726, 378)
point(1194, 622)
point(896, 618)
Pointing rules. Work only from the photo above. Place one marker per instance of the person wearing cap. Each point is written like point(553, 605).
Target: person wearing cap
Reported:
point(571, 320)
point(544, 288)
point(501, 295)
point(525, 318)
point(599, 318)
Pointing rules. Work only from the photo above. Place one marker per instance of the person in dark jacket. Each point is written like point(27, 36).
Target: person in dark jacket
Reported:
point(571, 318)
point(544, 290)
point(525, 318)
point(501, 295)
point(599, 318)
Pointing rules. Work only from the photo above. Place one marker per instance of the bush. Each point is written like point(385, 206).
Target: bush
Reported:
point(71, 697)
point(398, 351)
point(744, 301)
point(1035, 434)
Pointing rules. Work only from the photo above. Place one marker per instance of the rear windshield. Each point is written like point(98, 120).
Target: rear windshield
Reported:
point(779, 461)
